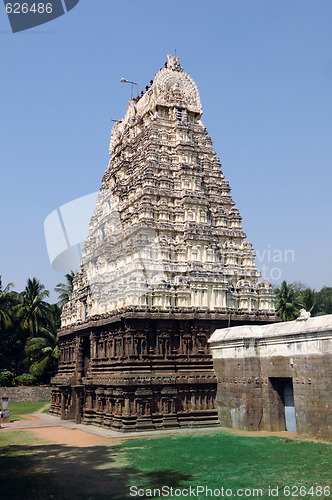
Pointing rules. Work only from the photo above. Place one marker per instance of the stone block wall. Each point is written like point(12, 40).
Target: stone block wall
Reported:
point(22, 394)
point(246, 398)
point(312, 384)
point(252, 373)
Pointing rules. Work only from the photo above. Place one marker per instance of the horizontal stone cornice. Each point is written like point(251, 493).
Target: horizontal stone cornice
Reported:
point(189, 314)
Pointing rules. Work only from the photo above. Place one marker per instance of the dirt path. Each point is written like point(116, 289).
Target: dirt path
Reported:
point(48, 405)
point(284, 434)
point(53, 430)
point(79, 438)
point(27, 417)
point(72, 437)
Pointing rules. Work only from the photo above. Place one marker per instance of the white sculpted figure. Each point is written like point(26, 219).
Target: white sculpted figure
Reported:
point(304, 315)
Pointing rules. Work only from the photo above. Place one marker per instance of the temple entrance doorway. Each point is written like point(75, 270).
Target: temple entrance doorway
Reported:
point(284, 388)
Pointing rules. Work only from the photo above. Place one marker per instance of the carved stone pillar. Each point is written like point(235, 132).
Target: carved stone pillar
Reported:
point(93, 340)
point(79, 360)
point(127, 405)
point(63, 404)
point(79, 401)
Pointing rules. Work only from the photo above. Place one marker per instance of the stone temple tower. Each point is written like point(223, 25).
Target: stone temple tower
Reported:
point(165, 263)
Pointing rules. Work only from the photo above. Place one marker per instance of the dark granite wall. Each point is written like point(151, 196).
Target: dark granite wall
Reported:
point(247, 399)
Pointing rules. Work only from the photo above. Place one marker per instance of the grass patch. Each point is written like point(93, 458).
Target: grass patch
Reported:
point(16, 438)
point(22, 473)
point(24, 408)
point(30, 468)
point(223, 459)
point(47, 409)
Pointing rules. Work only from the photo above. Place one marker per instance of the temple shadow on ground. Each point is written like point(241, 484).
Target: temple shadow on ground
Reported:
point(58, 472)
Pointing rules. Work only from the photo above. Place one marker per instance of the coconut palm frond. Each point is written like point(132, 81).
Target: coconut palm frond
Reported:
point(65, 289)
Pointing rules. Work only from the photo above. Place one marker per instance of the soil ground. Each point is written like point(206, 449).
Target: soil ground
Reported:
point(54, 430)
point(72, 437)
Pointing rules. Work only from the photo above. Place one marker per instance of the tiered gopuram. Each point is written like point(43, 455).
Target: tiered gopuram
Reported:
point(165, 264)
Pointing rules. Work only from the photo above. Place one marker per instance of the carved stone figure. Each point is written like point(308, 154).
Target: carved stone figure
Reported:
point(304, 315)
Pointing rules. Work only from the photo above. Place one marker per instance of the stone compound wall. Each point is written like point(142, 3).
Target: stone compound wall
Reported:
point(22, 394)
point(250, 370)
point(246, 398)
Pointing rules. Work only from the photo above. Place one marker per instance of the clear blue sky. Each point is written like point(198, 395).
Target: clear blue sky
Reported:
point(264, 72)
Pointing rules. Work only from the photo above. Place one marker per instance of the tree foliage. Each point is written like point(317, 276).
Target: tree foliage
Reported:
point(28, 339)
point(33, 310)
point(65, 289)
point(288, 304)
point(44, 349)
point(324, 300)
point(6, 301)
point(291, 297)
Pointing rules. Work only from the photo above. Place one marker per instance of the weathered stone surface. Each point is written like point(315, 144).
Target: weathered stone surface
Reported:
point(164, 264)
point(165, 234)
point(21, 394)
point(250, 360)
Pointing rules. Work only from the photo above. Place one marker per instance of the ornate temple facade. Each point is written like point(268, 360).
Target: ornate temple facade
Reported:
point(165, 263)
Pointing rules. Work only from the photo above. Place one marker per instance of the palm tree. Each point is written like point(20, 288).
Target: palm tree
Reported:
point(65, 289)
point(6, 301)
point(33, 310)
point(12, 338)
point(287, 302)
point(43, 350)
point(308, 298)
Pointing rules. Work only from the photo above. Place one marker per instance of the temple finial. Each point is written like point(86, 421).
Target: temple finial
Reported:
point(174, 63)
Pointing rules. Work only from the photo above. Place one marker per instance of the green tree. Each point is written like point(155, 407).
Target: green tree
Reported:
point(324, 300)
point(308, 299)
point(288, 304)
point(12, 338)
point(33, 310)
point(65, 289)
point(43, 350)
point(6, 301)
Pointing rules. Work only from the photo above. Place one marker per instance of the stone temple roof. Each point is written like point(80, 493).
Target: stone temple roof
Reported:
point(171, 87)
point(297, 327)
point(165, 235)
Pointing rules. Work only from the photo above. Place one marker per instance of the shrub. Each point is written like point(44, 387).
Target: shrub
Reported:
point(26, 379)
point(6, 378)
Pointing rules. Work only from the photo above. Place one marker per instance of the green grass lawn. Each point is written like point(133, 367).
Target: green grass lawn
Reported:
point(226, 460)
point(36, 470)
point(25, 408)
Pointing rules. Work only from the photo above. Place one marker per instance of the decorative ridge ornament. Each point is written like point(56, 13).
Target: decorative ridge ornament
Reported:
point(170, 87)
point(174, 63)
